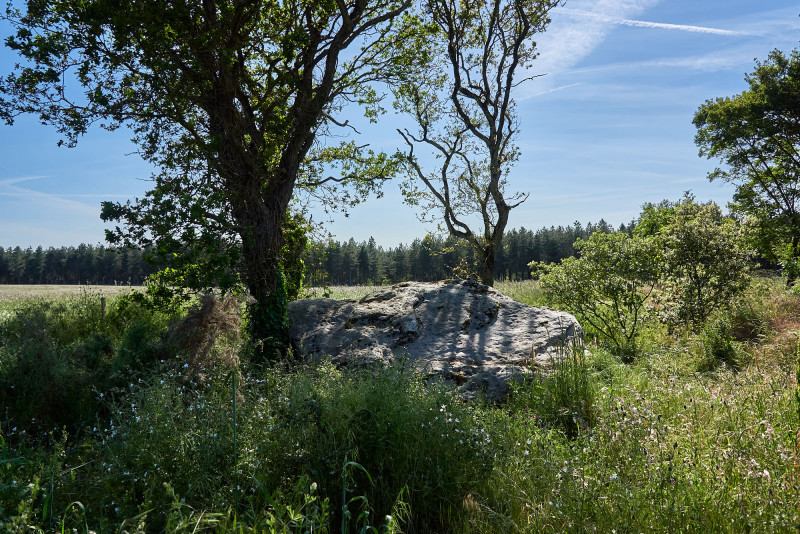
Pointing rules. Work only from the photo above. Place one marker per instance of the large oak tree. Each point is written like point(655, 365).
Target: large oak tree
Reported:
point(227, 98)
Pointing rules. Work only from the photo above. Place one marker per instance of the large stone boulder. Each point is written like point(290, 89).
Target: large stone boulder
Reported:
point(462, 331)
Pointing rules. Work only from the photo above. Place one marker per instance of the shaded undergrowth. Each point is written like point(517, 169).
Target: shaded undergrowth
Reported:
point(137, 421)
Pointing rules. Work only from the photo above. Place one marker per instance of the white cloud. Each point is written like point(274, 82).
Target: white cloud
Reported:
point(682, 27)
point(8, 182)
point(576, 31)
point(657, 25)
point(43, 201)
point(553, 90)
point(95, 195)
point(737, 58)
point(776, 22)
point(705, 63)
point(570, 38)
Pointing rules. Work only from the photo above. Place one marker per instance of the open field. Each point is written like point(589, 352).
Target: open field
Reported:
point(526, 292)
point(18, 293)
point(13, 296)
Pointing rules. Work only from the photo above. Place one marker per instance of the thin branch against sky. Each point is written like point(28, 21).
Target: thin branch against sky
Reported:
point(607, 129)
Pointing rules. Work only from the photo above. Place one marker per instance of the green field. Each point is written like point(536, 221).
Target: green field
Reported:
point(527, 291)
point(141, 421)
point(18, 294)
point(12, 297)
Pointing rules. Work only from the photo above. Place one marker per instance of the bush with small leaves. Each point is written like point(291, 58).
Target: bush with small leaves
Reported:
point(607, 286)
point(706, 265)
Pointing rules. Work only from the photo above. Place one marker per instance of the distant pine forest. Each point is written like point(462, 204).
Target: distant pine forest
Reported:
point(327, 263)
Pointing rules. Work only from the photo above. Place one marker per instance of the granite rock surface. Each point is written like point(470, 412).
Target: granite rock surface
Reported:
point(459, 330)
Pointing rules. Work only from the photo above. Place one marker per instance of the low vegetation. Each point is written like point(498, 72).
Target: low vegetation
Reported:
point(140, 421)
point(14, 296)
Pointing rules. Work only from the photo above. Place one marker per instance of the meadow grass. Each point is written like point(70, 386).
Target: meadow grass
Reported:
point(339, 292)
point(696, 434)
point(526, 291)
point(23, 292)
point(13, 296)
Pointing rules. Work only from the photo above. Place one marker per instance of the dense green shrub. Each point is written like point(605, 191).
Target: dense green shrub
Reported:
point(44, 377)
point(58, 359)
point(718, 345)
point(607, 286)
point(705, 262)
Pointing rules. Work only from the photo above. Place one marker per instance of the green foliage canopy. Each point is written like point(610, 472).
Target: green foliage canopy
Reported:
point(706, 263)
point(607, 285)
point(229, 99)
point(757, 136)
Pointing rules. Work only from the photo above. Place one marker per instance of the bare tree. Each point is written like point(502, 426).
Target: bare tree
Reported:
point(462, 103)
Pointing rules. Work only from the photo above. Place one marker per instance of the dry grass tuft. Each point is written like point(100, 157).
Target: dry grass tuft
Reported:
point(782, 345)
point(198, 333)
point(470, 505)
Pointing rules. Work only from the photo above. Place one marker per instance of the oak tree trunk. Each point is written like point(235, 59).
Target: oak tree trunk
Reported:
point(260, 218)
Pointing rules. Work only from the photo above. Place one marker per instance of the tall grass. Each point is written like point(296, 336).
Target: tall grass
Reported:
point(527, 292)
point(158, 440)
point(669, 451)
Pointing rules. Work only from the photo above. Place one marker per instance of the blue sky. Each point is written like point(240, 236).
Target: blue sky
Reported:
point(607, 129)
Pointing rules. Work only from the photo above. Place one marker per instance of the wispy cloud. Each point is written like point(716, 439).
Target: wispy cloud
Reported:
point(553, 90)
point(8, 187)
point(739, 58)
point(681, 27)
point(657, 25)
point(95, 195)
point(569, 39)
point(782, 21)
point(576, 31)
point(18, 179)
point(704, 63)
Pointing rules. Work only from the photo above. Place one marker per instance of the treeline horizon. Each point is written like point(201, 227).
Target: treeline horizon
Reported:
point(327, 263)
point(84, 264)
point(436, 257)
